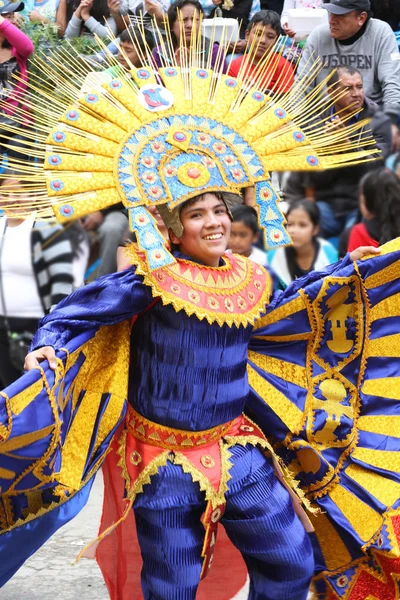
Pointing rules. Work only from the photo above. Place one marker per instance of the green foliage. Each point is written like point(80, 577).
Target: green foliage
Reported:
point(47, 43)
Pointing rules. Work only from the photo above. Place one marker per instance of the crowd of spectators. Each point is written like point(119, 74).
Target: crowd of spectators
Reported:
point(328, 213)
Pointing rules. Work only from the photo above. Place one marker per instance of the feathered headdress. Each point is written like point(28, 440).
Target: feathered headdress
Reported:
point(160, 137)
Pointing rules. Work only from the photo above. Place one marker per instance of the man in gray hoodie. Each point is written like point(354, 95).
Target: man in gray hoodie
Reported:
point(336, 190)
point(354, 39)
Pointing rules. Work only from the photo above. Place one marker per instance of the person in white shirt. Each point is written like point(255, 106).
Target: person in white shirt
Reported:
point(289, 4)
point(35, 273)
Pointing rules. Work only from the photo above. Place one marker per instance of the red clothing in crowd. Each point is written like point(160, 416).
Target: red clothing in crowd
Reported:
point(359, 236)
point(279, 75)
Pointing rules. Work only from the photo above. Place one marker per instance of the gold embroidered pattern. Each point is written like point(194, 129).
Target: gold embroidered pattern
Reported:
point(288, 412)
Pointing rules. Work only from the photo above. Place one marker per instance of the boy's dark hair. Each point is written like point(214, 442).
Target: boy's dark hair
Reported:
point(311, 208)
point(135, 36)
point(175, 7)
point(246, 215)
point(266, 17)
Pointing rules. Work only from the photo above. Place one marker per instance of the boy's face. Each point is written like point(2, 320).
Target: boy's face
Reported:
point(206, 230)
point(128, 50)
point(260, 38)
point(242, 239)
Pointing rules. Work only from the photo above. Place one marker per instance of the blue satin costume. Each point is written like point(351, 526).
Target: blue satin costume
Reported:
point(191, 375)
point(195, 375)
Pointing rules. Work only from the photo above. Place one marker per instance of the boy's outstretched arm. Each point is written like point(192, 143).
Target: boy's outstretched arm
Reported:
point(106, 301)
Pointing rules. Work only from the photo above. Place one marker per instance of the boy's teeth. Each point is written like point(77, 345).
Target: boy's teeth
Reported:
point(216, 236)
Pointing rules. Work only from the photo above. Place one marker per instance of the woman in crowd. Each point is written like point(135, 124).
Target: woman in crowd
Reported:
point(308, 252)
point(35, 274)
point(15, 49)
point(380, 210)
point(86, 16)
point(190, 11)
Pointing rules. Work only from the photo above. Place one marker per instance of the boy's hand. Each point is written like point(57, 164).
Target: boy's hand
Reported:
point(85, 7)
point(288, 31)
point(238, 47)
point(363, 251)
point(93, 221)
point(37, 356)
point(153, 8)
point(35, 16)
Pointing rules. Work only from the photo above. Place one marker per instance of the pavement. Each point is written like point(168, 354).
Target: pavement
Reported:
point(52, 574)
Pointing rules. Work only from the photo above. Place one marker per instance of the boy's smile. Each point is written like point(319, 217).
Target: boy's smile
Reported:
point(206, 229)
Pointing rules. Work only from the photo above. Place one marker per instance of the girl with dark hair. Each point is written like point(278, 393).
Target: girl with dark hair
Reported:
point(184, 16)
point(388, 11)
point(84, 16)
point(308, 252)
point(380, 209)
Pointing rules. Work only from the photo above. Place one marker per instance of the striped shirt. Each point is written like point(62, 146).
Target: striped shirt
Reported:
point(52, 263)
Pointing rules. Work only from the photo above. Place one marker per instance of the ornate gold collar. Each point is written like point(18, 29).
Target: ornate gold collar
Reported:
point(234, 294)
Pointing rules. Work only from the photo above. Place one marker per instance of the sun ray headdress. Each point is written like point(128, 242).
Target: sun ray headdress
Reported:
point(166, 135)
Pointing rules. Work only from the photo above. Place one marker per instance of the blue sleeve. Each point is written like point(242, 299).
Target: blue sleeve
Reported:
point(108, 300)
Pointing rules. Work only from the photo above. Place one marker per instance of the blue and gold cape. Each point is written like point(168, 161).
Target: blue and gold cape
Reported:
point(323, 369)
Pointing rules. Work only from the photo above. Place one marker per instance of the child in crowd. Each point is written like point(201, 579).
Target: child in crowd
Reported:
point(308, 252)
point(130, 41)
point(245, 233)
point(35, 274)
point(380, 209)
point(270, 72)
point(189, 12)
point(75, 18)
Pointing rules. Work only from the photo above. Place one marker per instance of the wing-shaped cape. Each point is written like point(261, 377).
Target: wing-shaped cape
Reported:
point(324, 367)
point(72, 412)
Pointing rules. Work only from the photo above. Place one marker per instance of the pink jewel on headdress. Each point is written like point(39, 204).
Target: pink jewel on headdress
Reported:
point(179, 136)
point(91, 97)
point(59, 136)
point(258, 96)
point(194, 173)
point(298, 136)
point(313, 161)
point(72, 115)
point(171, 72)
point(202, 74)
point(237, 173)
point(280, 113)
point(231, 83)
point(116, 84)
point(265, 193)
point(144, 74)
point(54, 160)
